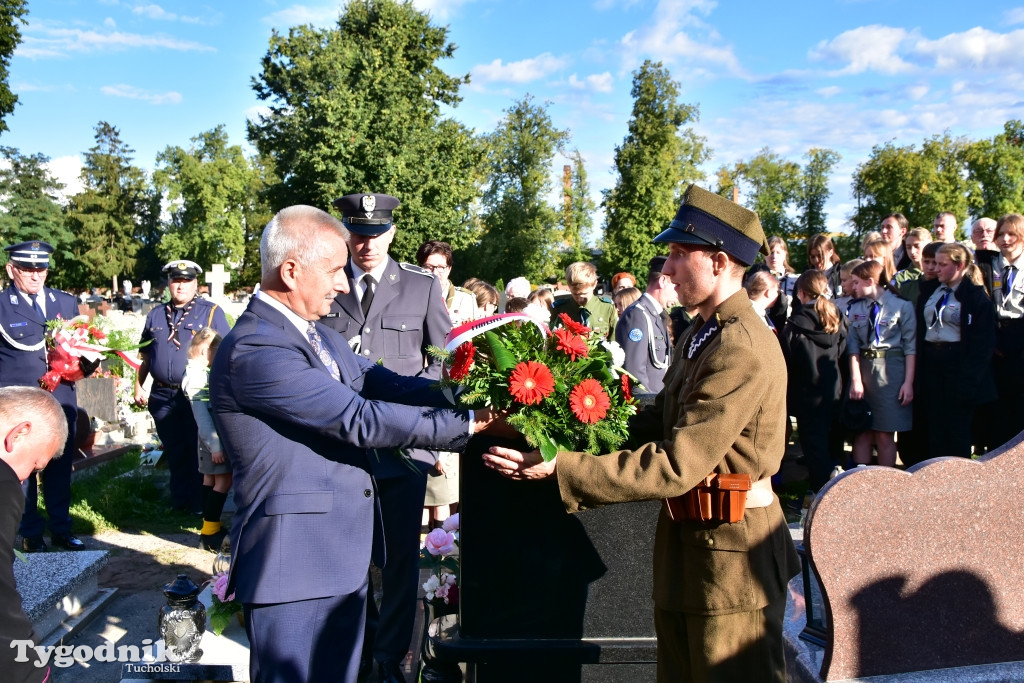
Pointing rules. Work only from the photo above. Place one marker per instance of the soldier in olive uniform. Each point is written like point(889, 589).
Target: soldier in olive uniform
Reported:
point(596, 312)
point(719, 587)
point(391, 314)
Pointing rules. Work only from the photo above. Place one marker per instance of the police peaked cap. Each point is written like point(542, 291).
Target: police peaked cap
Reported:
point(366, 214)
point(182, 269)
point(708, 219)
point(31, 254)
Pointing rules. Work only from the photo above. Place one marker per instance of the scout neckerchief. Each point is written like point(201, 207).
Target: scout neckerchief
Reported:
point(1009, 273)
point(873, 317)
point(940, 305)
point(173, 326)
point(712, 327)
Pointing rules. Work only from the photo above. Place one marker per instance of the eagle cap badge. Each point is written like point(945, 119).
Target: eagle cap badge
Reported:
point(369, 203)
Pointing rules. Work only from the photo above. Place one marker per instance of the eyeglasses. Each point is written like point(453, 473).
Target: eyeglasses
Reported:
point(434, 269)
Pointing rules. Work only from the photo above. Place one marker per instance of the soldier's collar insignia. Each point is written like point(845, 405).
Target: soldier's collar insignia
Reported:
point(369, 203)
point(706, 332)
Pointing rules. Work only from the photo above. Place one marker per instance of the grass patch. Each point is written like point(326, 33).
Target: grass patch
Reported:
point(121, 495)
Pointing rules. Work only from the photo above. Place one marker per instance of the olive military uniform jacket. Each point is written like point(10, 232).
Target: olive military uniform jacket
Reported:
point(722, 410)
point(598, 314)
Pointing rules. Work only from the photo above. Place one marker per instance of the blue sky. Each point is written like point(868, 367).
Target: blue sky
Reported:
point(843, 74)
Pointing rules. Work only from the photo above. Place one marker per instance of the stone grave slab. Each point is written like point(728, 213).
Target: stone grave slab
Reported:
point(97, 396)
point(921, 570)
point(58, 589)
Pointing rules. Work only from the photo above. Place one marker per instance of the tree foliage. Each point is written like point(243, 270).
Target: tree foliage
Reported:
point(577, 214)
point(206, 187)
point(917, 183)
point(12, 13)
point(356, 108)
point(814, 192)
point(29, 207)
point(521, 230)
point(771, 186)
point(996, 168)
point(654, 163)
point(104, 215)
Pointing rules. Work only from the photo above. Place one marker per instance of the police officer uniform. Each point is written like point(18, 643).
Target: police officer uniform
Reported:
point(22, 362)
point(598, 313)
point(169, 330)
point(405, 315)
point(644, 337)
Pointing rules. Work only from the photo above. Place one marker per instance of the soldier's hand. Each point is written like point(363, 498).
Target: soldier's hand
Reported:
point(518, 465)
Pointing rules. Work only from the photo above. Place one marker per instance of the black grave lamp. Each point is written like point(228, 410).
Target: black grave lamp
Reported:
point(182, 620)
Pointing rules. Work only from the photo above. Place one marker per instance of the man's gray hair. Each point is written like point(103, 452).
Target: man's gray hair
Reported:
point(32, 404)
point(296, 232)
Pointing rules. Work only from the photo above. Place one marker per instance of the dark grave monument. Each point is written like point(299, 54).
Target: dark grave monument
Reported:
point(544, 594)
point(97, 396)
point(921, 571)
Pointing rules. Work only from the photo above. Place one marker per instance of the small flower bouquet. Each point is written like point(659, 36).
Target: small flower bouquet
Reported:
point(69, 343)
point(222, 606)
point(440, 554)
point(561, 388)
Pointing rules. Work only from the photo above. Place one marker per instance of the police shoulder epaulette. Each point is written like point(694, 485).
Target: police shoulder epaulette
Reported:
point(413, 268)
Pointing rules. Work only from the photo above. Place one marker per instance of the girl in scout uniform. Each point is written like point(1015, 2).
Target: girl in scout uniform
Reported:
point(879, 250)
point(882, 343)
point(778, 264)
point(1008, 362)
point(822, 255)
point(956, 341)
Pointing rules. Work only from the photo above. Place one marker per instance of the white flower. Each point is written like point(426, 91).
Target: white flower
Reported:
point(538, 314)
point(618, 355)
point(431, 586)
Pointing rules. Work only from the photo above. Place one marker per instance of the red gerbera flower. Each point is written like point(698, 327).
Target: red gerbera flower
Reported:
point(574, 326)
point(588, 401)
point(627, 390)
point(570, 344)
point(463, 361)
point(530, 382)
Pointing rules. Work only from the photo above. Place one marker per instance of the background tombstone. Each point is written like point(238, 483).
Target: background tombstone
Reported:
point(217, 277)
point(921, 569)
point(97, 396)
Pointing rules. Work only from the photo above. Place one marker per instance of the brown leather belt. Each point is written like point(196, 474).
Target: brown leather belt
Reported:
point(720, 498)
point(871, 354)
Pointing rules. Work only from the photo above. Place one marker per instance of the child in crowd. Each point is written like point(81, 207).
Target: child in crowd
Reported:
point(778, 265)
point(846, 296)
point(822, 255)
point(213, 464)
point(812, 343)
point(882, 343)
point(906, 280)
point(763, 290)
point(1007, 418)
point(623, 298)
point(879, 250)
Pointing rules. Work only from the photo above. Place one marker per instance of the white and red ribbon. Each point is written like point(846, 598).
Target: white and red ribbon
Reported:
point(474, 328)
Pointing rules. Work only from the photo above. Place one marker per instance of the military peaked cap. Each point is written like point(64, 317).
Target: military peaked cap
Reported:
point(366, 214)
point(182, 269)
point(708, 219)
point(31, 254)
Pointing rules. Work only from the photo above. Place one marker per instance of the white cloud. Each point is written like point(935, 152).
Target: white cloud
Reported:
point(675, 33)
point(67, 170)
point(1014, 16)
point(976, 48)
point(254, 112)
point(43, 40)
point(154, 12)
point(523, 71)
point(916, 92)
point(132, 93)
point(596, 82)
point(441, 10)
point(866, 48)
point(109, 22)
point(829, 91)
point(318, 15)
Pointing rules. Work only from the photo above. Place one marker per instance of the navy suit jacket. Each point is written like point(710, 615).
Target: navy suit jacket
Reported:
point(23, 324)
point(300, 445)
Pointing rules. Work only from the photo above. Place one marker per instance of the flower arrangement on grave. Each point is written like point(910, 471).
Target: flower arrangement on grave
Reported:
point(222, 605)
point(562, 389)
point(75, 347)
point(440, 554)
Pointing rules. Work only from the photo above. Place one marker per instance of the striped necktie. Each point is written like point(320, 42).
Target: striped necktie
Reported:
point(324, 355)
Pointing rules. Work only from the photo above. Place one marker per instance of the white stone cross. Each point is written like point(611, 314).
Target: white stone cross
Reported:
point(217, 277)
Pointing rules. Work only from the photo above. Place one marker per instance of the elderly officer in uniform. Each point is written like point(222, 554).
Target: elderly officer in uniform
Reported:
point(169, 330)
point(391, 314)
point(26, 306)
point(642, 330)
point(596, 312)
point(719, 585)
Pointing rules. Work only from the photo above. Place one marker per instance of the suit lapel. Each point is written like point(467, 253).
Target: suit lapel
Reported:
point(349, 302)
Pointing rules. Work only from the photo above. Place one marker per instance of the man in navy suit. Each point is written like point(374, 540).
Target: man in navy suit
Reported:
point(301, 417)
point(25, 307)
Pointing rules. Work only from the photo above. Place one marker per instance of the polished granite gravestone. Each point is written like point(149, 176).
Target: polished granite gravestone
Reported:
point(97, 396)
point(923, 569)
point(545, 595)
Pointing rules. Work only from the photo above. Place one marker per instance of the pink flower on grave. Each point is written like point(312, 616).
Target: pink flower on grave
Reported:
point(452, 523)
point(220, 588)
point(439, 542)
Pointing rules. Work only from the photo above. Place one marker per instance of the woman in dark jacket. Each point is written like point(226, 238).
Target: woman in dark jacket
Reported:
point(812, 342)
point(956, 340)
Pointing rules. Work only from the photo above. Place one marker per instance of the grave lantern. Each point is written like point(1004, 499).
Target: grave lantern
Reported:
point(182, 620)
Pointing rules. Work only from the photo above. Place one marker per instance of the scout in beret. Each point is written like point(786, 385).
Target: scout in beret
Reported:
point(723, 412)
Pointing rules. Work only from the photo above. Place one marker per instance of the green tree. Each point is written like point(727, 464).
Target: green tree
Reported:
point(577, 214)
point(770, 185)
point(655, 162)
point(521, 230)
point(996, 167)
point(917, 183)
point(356, 108)
point(29, 207)
point(206, 187)
point(12, 13)
point(256, 215)
point(105, 214)
point(814, 190)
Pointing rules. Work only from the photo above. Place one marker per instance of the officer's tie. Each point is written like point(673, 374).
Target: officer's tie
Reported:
point(368, 283)
point(666, 320)
point(38, 306)
point(318, 347)
point(1009, 273)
